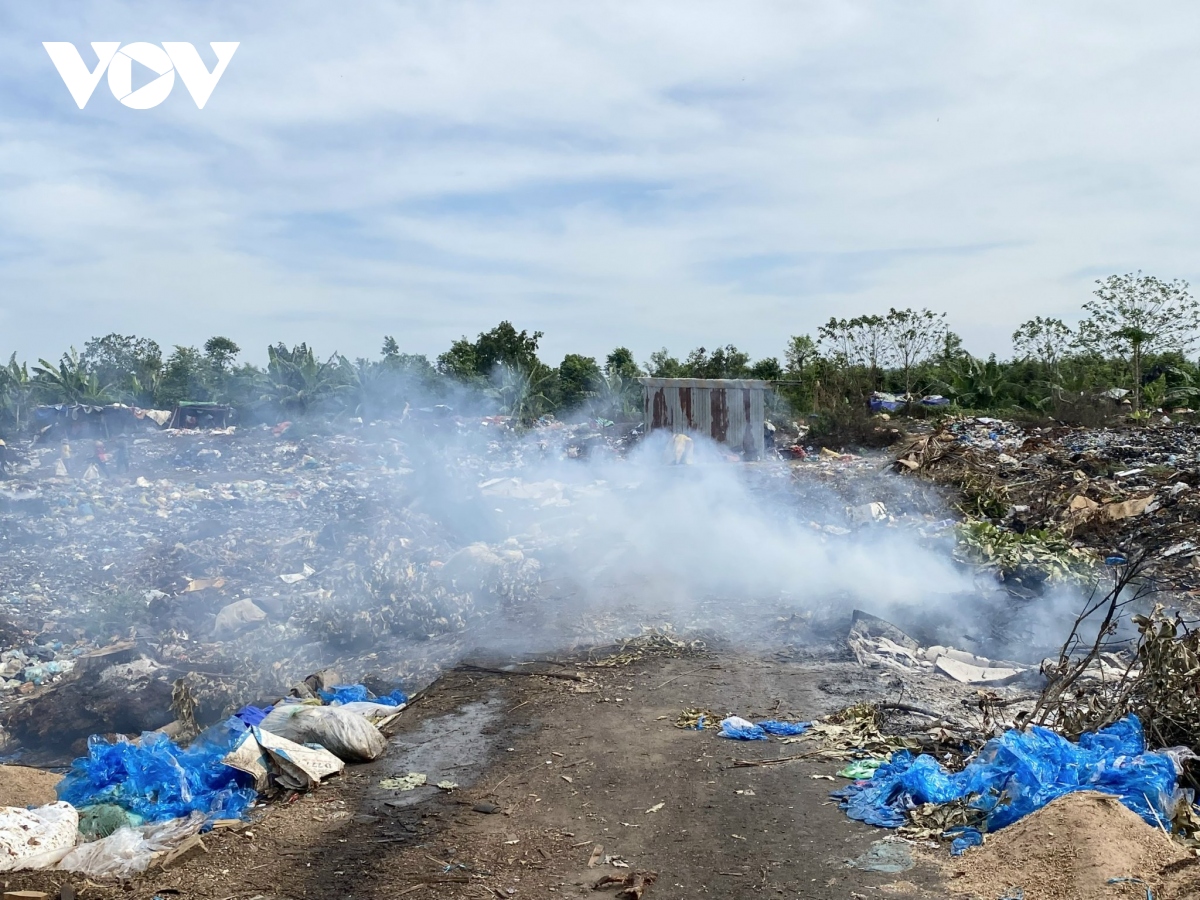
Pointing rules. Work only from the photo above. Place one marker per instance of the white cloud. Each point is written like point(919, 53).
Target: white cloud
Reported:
point(649, 174)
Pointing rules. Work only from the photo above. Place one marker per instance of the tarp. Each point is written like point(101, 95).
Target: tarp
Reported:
point(1021, 771)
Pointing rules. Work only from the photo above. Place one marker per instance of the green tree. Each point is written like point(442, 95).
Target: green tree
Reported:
point(621, 362)
point(577, 379)
point(16, 391)
point(502, 346)
point(767, 369)
point(1134, 315)
point(663, 365)
point(70, 382)
point(1043, 340)
point(912, 338)
point(724, 362)
point(800, 354)
point(221, 352)
point(124, 362)
point(296, 383)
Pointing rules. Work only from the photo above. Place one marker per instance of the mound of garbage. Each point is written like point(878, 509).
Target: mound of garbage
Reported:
point(1018, 773)
point(130, 802)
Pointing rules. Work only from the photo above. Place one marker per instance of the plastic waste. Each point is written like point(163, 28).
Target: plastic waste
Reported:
point(36, 838)
point(345, 734)
point(103, 819)
point(128, 851)
point(1021, 771)
point(739, 729)
point(370, 709)
point(252, 715)
point(346, 693)
point(783, 729)
point(860, 769)
point(967, 837)
point(358, 693)
point(158, 780)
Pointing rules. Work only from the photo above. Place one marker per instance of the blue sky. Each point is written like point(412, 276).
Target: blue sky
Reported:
point(672, 173)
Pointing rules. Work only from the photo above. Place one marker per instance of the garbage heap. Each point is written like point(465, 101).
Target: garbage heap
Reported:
point(128, 803)
point(239, 562)
point(1108, 493)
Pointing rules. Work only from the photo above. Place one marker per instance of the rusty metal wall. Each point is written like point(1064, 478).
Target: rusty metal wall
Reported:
point(730, 411)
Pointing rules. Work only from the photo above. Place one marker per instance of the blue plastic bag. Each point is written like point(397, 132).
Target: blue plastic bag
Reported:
point(783, 729)
point(358, 693)
point(252, 715)
point(1021, 771)
point(156, 779)
point(967, 837)
point(740, 730)
point(346, 693)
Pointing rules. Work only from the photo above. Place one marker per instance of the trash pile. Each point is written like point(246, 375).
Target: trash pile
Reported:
point(1019, 772)
point(128, 802)
point(252, 557)
point(1108, 492)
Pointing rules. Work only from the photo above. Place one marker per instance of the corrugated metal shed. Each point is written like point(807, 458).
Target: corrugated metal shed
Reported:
point(728, 410)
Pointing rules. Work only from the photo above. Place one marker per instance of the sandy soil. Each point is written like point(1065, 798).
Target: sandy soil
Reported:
point(24, 786)
point(579, 772)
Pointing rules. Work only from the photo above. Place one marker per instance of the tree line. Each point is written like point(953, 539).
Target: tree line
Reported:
point(1134, 334)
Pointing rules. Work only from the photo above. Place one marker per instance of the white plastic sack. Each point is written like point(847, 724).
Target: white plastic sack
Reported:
point(295, 766)
point(36, 838)
point(128, 851)
point(345, 734)
point(369, 710)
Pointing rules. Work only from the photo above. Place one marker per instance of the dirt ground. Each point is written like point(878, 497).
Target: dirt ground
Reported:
point(580, 771)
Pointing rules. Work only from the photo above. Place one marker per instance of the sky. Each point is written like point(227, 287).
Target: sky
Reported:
point(609, 173)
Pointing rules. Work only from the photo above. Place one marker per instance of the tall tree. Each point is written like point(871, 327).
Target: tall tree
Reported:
point(577, 380)
point(123, 361)
point(503, 346)
point(912, 337)
point(1134, 315)
point(663, 365)
point(621, 362)
point(800, 354)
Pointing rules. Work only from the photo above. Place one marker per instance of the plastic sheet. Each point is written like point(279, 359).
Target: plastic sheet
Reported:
point(741, 730)
point(1018, 772)
point(252, 715)
point(129, 851)
point(358, 693)
point(103, 819)
point(783, 729)
point(36, 838)
point(346, 693)
point(967, 837)
point(157, 780)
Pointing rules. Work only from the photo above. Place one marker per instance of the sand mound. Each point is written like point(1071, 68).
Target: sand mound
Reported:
point(22, 786)
point(1068, 850)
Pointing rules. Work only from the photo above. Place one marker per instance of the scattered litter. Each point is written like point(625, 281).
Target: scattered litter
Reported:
point(409, 782)
point(860, 769)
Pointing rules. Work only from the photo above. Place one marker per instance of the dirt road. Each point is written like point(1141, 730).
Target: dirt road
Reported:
point(579, 771)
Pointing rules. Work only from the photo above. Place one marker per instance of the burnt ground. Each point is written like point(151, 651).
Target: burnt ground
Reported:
point(572, 766)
